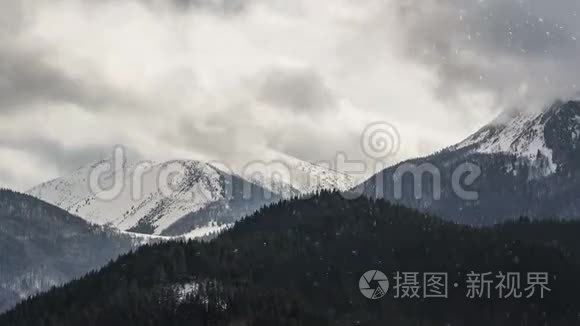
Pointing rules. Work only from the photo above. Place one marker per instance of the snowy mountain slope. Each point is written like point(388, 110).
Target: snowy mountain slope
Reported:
point(287, 175)
point(530, 135)
point(152, 201)
point(529, 163)
point(160, 202)
point(66, 192)
point(210, 230)
point(517, 133)
point(158, 198)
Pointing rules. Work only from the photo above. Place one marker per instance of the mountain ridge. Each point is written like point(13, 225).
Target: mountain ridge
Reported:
point(199, 190)
point(42, 246)
point(528, 163)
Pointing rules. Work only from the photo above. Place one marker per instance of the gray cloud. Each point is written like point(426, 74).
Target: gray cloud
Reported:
point(217, 140)
point(7, 178)
point(225, 6)
point(236, 131)
point(297, 90)
point(25, 80)
point(27, 76)
point(195, 76)
point(520, 51)
point(56, 154)
point(221, 7)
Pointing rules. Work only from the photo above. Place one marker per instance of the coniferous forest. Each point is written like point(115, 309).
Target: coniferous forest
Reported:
point(42, 246)
point(299, 262)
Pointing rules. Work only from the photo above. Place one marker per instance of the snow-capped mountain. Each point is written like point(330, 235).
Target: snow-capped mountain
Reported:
point(66, 192)
point(151, 196)
point(195, 186)
point(287, 175)
point(178, 197)
point(519, 133)
point(529, 162)
point(549, 137)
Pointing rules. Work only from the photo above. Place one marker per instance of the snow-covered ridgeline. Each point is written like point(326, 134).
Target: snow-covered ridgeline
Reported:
point(287, 175)
point(189, 187)
point(168, 191)
point(516, 133)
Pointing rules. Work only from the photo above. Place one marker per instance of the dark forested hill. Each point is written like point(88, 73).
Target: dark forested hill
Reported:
point(299, 263)
point(43, 246)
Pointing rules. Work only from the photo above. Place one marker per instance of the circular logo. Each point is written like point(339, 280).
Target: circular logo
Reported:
point(380, 140)
point(374, 284)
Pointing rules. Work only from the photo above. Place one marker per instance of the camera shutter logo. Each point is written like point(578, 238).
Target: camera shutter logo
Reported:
point(374, 284)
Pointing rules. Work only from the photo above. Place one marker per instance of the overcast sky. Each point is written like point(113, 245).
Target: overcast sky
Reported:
point(219, 79)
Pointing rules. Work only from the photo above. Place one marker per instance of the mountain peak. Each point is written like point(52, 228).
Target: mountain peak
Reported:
point(288, 175)
point(529, 135)
point(528, 165)
point(159, 199)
